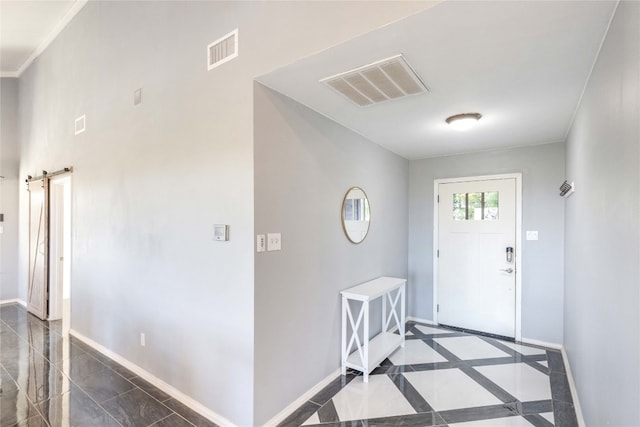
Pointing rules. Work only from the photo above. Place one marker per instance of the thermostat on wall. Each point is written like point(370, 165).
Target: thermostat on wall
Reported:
point(221, 232)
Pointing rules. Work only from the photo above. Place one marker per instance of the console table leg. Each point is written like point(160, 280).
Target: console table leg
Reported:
point(343, 366)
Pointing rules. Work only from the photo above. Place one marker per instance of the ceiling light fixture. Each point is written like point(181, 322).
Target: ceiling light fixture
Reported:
point(463, 121)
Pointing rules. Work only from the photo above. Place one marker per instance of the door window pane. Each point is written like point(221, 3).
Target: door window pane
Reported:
point(476, 206)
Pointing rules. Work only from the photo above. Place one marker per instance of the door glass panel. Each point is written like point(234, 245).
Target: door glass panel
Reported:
point(490, 206)
point(459, 206)
point(476, 206)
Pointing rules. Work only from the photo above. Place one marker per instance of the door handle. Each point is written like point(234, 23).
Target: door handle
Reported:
point(507, 270)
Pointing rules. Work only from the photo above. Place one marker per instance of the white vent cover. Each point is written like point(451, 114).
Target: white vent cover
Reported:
point(222, 50)
point(390, 78)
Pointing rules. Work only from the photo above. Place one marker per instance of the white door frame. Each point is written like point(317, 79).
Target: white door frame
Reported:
point(60, 231)
point(518, 251)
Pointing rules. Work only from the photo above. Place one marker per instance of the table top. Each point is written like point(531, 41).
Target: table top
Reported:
point(373, 288)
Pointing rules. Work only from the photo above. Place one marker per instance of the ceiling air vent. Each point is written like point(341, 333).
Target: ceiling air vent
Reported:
point(222, 50)
point(391, 78)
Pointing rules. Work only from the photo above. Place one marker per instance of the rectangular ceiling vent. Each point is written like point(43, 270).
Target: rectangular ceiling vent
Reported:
point(222, 50)
point(391, 78)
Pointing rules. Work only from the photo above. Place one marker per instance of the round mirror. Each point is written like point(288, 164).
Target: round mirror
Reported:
point(355, 215)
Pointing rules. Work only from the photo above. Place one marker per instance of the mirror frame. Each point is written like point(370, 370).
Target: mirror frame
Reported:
point(344, 202)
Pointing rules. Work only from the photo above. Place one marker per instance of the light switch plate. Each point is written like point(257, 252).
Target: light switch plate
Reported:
point(261, 243)
point(273, 242)
point(532, 235)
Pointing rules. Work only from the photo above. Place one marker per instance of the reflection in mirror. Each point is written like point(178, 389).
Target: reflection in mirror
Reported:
point(355, 215)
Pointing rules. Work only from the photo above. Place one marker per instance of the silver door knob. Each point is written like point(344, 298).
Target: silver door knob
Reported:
point(507, 270)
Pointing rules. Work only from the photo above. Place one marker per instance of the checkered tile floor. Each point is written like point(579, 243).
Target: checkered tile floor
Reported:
point(445, 377)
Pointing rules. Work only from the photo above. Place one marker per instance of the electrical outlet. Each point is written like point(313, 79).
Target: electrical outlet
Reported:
point(274, 241)
point(261, 243)
point(532, 235)
point(143, 340)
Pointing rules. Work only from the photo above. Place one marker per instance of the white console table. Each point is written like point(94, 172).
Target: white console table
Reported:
point(371, 352)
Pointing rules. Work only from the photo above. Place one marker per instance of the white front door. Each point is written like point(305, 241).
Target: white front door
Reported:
point(476, 279)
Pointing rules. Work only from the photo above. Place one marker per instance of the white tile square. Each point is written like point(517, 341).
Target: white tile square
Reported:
point(468, 348)
point(409, 333)
point(450, 389)
point(414, 352)
point(432, 330)
point(519, 380)
point(523, 349)
point(544, 363)
point(378, 398)
point(313, 419)
point(496, 422)
point(549, 417)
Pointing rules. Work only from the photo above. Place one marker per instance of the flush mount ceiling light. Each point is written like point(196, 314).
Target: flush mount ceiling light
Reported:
point(463, 121)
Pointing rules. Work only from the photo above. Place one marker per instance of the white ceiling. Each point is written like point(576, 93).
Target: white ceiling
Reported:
point(522, 65)
point(27, 27)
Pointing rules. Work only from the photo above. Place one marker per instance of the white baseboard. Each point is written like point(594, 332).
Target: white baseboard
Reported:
point(170, 390)
point(13, 301)
point(419, 320)
point(574, 390)
point(282, 415)
point(542, 343)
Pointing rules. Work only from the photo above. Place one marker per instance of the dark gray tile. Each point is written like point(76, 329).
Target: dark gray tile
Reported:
point(327, 413)
point(555, 362)
point(15, 407)
point(489, 385)
point(414, 398)
point(538, 367)
point(59, 349)
point(136, 408)
point(43, 383)
point(300, 415)
point(560, 389)
point(538, 420)
point(324, 395)
point(479, 413)
point(104, 384)
point(414, 420)
point(392, 369)
point(173, 421)
point(76, 407)
point(7, 384)
point(149, 388)
point(118, 368)
point(535, 407)
point(55, 326)
point(36, 421)
point(564, 414)
point(25, 365)
point(81, 366)
point(189, 414)
point(352, 423)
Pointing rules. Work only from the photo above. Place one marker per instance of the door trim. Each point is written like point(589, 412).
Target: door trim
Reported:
point(519, 248)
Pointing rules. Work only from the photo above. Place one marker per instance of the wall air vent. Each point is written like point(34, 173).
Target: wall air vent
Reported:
point(391, 78)
point(222, 50)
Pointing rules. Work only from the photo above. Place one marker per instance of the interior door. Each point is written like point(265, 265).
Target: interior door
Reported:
point(476, 276)
point(37, 295)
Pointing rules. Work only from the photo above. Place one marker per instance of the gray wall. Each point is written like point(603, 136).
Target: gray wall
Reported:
point(150, 181)
point(602, 321)
point(9, 188)
point(542, 169)
point(304, 164)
